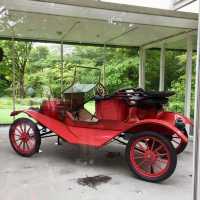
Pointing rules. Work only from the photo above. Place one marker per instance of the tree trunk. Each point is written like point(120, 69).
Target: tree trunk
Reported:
point(21, 86)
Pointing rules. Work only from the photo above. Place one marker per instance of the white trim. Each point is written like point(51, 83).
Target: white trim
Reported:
point(171, 38)
point(98, 14)
point(142, 56)
point(178, 4)
point(162, 68)
point(196, 146)
point(188, 80)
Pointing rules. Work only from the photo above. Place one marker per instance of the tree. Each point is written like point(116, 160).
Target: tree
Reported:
point(21, 54)
point(22, 51)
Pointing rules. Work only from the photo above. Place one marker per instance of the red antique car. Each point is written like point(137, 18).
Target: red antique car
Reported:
point(133, 117)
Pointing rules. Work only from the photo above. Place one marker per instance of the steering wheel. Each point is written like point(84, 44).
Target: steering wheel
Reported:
point(100, 90)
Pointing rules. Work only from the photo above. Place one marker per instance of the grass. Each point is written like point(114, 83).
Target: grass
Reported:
point(5, 117)
point(6, 108)
point(90, 106)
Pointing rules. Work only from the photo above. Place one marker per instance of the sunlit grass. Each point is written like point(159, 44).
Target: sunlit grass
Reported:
point(6, 107)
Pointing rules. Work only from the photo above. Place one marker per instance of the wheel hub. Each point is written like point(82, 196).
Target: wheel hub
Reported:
point(24, 137)
point(150, 156)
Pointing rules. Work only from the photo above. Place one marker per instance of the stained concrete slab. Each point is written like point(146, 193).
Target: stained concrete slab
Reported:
point(53, 174)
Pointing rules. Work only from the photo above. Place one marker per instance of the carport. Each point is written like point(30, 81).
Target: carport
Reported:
point(107, 24)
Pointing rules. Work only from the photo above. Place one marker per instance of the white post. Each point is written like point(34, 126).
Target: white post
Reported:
point(142, 55)
point(162, 68)
point(104, 67)
point(188, 80)
point(196, 153)
point(13, 76)
point(61, 69)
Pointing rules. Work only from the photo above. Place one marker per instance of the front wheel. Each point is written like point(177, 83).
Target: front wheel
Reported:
point(24, 137)
point(151, 156)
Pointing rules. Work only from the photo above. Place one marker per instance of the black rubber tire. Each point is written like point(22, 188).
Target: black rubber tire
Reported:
point(36, 136)
point(167, 144)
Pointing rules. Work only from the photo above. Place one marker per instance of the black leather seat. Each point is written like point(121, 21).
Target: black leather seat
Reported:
point(99, 98)
point(162, 94)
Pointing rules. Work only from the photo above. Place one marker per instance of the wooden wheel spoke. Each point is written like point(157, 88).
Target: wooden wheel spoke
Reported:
point(141, 147)
point(19, 130)
point(153, 144)
point(28, 130)
point(31, 137)
point(175, 142)
point(20, 143)
point(142, 162)
point(158, 166)
point(152, 169)
point(140, 150)
point(138, 157)
point(23, 146)
point(162, 160)
point(17, 135)
point(24, 127)
point(27, 145)
point(163, 154)
point(19, 139)
point(158, 148)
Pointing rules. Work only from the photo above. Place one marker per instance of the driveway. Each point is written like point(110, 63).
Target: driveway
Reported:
point(55, 174)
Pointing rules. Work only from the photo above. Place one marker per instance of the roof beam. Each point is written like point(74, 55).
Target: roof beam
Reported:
point(168, 39)
point(178, 4)
point(120, 35)
point(97, 14)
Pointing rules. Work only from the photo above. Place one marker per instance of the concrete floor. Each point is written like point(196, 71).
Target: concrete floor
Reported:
point(53, 174)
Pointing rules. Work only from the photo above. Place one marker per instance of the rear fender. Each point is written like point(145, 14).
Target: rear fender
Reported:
point(171, 118)
point(157, 125)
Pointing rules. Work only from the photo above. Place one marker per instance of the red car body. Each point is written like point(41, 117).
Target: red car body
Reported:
point(114, 117)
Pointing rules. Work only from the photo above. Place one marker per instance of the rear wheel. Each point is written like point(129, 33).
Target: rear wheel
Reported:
point(24, 137)
point(151, 156)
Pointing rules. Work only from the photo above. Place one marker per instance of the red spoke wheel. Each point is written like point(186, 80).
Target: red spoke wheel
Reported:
point(178, 144)
point(151, 156)
point(24, 137)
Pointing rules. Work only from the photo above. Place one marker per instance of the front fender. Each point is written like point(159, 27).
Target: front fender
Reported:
point(158, 125)
point(52, 124)
point(17, 112)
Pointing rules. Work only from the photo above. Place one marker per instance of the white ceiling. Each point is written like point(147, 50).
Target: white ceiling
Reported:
point(92, 22)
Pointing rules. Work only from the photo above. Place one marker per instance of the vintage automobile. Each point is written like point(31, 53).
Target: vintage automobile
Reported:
point(133, 117)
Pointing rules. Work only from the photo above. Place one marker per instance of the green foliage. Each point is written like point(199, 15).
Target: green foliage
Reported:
point(177, 101)
point(42, 71)
point(20, 52)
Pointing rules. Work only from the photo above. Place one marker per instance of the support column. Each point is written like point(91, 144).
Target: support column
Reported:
point(142, 55)
point(104, 67)
point(13, 71)
point(188, 80)
point(162, 68)
point(196, 138)
point(61, 70)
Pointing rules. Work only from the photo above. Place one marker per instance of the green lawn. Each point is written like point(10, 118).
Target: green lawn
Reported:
point(5, 117)
point(6, 109)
